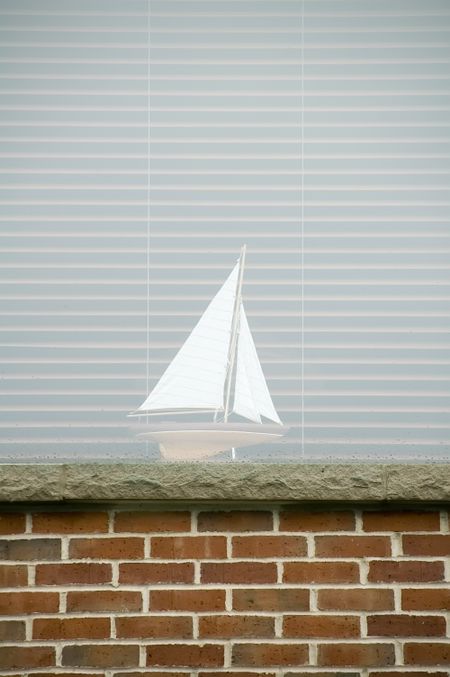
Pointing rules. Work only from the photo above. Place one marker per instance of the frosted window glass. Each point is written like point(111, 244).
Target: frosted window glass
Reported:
point(228, 162)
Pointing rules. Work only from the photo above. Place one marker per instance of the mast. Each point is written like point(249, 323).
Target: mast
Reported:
point(234, 333)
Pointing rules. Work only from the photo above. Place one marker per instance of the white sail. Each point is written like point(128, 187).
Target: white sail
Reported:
point(195, 378)
point(251, 395)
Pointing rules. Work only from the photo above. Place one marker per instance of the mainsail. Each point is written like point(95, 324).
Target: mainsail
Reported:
point(194, 380)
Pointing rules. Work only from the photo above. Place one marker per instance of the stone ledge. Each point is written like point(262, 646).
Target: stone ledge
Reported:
point(350, 482)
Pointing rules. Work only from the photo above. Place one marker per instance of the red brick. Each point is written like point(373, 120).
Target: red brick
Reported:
point(425, 599)
point(152, 522)
point(402, 520)
point(187, 600)
point(189, 547)
point(356, 599)
point(14, 657)
point(185, 655)
point(70, 522)
point(73, 574)
point(403, 673)
point(152, 673)
point(321, 572)
point(271, 599)
point(302, 520)
point(353, 546)
point(381, 571)
point(429, 545)
point(101, 655)
point(235, 520)
point(269, 546)
point(13, 575)
point(31, 549)
point(405, 625)
point(236, 626)
point(429, 653)
point(239, 572)
point(235, 673)
point(106, 548)
point(154, 627)
point(261, 655)
point(149, 572)
point(104, 600)
point(67, 674)
point(357, 655)
point(304, 625)
point(12, 631)
point(12, 523)
point(29, 602)
point(239, 673)
point(321, 674)
point(71, 628)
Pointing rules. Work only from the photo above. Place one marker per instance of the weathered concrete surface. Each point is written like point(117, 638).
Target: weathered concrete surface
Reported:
point(418, 483)
point(34, 482)
point(225, 481)
point(350, 482)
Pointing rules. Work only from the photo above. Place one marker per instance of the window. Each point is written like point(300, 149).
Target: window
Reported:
point(316, 132)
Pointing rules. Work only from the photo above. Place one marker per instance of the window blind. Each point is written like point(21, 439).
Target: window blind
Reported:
point(314, 131)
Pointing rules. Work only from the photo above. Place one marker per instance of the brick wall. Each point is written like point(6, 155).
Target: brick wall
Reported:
point(275, 592)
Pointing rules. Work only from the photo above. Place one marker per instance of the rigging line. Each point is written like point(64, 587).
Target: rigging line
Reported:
point(302, 231)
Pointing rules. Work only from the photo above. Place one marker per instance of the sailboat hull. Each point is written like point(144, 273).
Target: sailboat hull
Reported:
point(194, 441)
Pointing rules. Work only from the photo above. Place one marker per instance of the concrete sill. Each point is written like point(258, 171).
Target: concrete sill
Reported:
point(240, 482)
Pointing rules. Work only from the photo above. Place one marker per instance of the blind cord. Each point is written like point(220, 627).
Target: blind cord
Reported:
point(147, 308)
point(302, 232)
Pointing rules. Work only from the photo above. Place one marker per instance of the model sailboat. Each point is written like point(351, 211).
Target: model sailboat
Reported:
point(217, 362)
